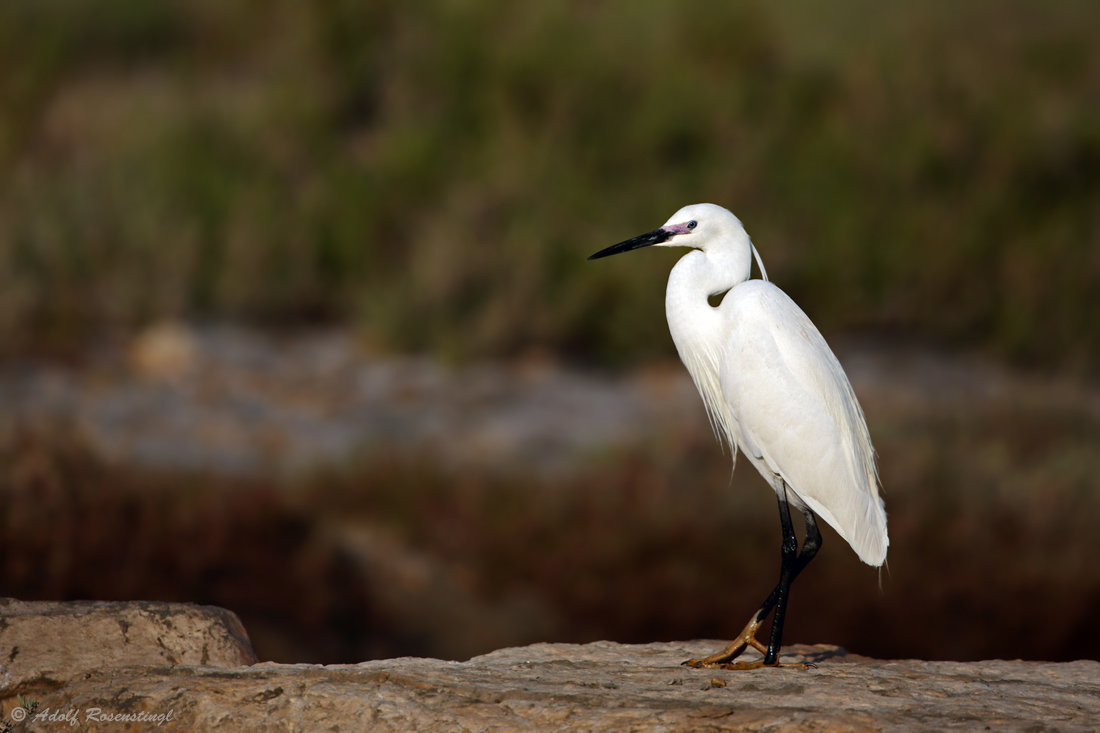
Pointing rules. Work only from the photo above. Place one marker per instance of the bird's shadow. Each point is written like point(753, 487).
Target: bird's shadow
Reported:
point(817, 654)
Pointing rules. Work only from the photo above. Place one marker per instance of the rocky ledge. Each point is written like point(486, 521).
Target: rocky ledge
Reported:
point(591, 687)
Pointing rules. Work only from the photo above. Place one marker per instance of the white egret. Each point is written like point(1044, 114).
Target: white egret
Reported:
point(773, 389)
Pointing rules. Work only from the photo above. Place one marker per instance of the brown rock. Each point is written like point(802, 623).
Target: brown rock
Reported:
point(42, 644)
point(594, 687)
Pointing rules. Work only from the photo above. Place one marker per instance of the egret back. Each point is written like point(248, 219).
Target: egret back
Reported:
point(796, 416)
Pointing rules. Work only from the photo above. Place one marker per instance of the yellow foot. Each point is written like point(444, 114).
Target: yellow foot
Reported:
point(736, 648)
point(759, 664)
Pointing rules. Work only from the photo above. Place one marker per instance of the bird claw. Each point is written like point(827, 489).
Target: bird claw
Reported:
point(736, 648)
point(742, 666)
point(760, 664)
point(700, 664)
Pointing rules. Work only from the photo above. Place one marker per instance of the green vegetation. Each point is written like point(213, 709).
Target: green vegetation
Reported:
point(436, 171)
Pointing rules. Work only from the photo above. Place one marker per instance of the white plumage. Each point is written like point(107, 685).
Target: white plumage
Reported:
point(772, 386)
point(773, 389)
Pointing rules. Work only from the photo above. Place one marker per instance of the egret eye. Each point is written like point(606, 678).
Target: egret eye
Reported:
point(692, 224)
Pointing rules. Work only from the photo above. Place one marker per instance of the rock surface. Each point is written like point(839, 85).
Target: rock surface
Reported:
point(599, 686)
point(42, 644)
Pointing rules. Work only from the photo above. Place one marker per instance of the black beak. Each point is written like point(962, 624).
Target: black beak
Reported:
point(655, 237)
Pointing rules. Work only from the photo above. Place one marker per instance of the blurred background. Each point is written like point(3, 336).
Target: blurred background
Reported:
point(295, 317)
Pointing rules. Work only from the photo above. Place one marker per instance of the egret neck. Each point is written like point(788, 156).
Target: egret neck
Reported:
point(696, 325)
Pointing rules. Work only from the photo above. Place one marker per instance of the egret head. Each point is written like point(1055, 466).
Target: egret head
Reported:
point(700, 226)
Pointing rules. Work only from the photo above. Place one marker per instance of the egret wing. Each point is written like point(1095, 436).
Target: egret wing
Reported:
point(797, 416)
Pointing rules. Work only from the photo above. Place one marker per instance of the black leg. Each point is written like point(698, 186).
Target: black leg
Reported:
point(809, 548)
point(792, 564)
point(790, 569)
